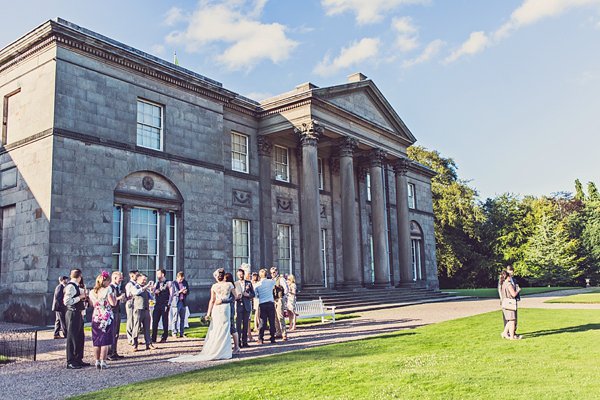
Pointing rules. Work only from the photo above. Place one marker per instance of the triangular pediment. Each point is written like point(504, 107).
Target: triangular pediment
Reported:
point(364, 100)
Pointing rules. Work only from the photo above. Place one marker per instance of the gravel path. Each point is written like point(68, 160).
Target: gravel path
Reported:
point(48, 378)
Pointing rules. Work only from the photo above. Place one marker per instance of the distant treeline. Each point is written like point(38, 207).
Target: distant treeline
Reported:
point(552, 240)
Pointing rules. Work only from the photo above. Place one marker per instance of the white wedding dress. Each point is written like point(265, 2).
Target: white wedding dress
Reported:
point(217, 344)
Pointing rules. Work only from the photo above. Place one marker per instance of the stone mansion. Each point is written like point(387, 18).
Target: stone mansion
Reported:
point(112, 158)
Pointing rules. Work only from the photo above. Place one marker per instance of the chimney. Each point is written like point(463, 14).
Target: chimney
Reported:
point(357, 77)
point(305, 87)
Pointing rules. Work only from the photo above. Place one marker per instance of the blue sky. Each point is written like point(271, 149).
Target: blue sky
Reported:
point(509, 89)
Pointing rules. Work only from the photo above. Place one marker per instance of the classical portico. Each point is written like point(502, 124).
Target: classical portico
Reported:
point(343, 129)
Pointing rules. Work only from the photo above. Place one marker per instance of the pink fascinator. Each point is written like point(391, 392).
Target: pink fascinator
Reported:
point(105, 274)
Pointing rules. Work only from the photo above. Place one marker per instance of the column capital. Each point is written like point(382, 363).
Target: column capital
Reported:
point(376, 157)
point(163, 211)
point(127, 207)
point(309, 132)
point(400, 166)
point(346, 146)
point(265, 146)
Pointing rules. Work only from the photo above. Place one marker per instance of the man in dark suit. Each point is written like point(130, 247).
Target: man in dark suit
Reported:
point(162, 301)
point(181, 290)
point(59, 308)
point(116, 280)
point(74, 299)
point(243, 305)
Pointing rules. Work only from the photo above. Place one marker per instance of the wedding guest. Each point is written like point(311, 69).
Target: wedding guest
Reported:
point(264, 292)
point(59, 308)
point(243, 306)
point(509, 291)
point(141, 312)
point(74, 299)
point(248, 277)
point(181, 290)
point(232, 329)
point(130, 288)
point(280, 292)
point(103, 300)
point(255, 302)
point(291, 301)
point(115, 285)
point(511, 272)
point(162, 301)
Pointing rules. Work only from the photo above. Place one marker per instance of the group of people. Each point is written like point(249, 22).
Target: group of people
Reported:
point(230, 311)
point(271, 297)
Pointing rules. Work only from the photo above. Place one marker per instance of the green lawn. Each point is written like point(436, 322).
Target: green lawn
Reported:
point(464, 358)
point(583, 298)
point(4, 360)
point(492, 293)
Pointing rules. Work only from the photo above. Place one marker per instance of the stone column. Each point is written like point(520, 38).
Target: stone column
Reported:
point(365, 252)
point(310, 206)
point(346, 148)
point(162, 238)
point(404, 245)
point(266, 211)
point(126, 245)
point(380, 251)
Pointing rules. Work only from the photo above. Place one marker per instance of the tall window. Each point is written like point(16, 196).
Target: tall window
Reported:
point(171, 266)
point(282, 168)
point(144, 241)
point(324, 253)
point(411, 196)
point(11, 116)
point(321, 181)
point(368, 179)
point(372, 258)
point(149, 125)
point(239, 152)
point(241, 243)
point(416, 259)
point(117, 235)
point(284, 243)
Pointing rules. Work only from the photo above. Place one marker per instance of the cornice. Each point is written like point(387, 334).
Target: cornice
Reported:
point(29, 52)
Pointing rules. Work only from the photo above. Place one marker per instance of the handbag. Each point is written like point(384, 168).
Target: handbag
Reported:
point(509, 304)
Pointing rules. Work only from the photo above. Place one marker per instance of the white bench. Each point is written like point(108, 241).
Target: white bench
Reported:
point(314, 308)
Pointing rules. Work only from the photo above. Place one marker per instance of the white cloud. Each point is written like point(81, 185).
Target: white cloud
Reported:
point(476, 43)
point(173, 16)
point(234, 23)
point(585, 78)
point(354, 54)
point(407, 33)
point(158, 49)
point(533, 10)
point(367, 11)
point(430, 51)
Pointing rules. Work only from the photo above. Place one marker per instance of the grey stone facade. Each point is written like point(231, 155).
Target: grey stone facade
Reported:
point(71, 153)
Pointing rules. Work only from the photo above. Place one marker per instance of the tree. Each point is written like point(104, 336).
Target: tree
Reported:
point(551, 256)
point(579, 194)
point(593, 194)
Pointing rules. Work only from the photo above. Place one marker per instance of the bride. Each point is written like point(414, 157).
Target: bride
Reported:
point(217, 345)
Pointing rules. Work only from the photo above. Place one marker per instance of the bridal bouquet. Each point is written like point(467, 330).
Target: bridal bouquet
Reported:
point(103, 318)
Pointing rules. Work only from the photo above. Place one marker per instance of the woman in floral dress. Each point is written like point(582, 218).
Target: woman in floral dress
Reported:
point(291, 301)
point(103, 300)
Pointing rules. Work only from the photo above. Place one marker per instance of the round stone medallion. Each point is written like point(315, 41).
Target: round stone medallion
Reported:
point(148, 183)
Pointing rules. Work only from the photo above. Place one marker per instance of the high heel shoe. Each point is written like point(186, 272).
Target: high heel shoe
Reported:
point(97, 364)
point(103, 365)
point(503, 336)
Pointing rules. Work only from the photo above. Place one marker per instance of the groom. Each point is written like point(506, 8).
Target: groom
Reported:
point(243, 305)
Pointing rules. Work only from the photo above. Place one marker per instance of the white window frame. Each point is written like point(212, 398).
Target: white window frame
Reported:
point(321, 178)
point(324, 253)
point(161, 128)
point(368, 183)
point(281, 165)
point(175, 243)
point(243, 157)
point(412, 203)
point(120, 253)
point(415, 249)
point(372, 259)
point(151, 272)
point(237, 259)
point(288, 247)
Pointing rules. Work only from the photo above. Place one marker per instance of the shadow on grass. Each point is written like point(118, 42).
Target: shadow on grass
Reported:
point(569, 329)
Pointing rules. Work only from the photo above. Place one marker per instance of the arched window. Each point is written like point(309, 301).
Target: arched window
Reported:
point(416, 241)
point(146, 220)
